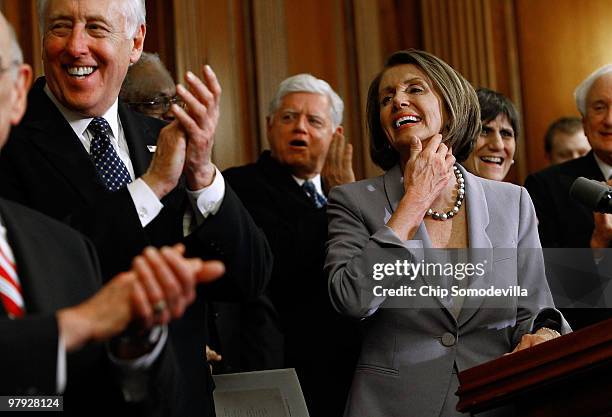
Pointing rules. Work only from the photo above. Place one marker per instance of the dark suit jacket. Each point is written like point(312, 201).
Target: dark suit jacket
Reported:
point(566, 223)
point(44, 166)
point(58, 268)
point(297, 232)
point(563, 221)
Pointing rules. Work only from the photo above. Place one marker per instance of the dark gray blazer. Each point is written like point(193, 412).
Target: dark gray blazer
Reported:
point(410, 355)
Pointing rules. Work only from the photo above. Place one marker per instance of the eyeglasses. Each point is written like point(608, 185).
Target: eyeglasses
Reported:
point(159, 105)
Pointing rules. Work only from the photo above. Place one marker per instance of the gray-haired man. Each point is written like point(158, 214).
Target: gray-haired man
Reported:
point(566, 223)
point(285, 192)
point(126, 180)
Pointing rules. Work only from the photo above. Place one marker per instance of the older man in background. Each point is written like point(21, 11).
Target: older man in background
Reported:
point(285, 192)
point(566, 223)
point(149, 88)
point(126, 180)
point(565, 140)
point(52, 311)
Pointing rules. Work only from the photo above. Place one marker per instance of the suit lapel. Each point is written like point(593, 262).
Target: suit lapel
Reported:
point(589, 168)
point(54, 137)
point(479, 243)
point(394, 190)
point(136, 135)
point(280, 177)
point(40, 293)
point(394, 187)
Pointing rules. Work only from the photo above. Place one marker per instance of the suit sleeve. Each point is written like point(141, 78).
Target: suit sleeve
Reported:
point(547, 224)
point(531, 275)
point(232, 236)
point(28, 355)
point(109, 220)
point(352, 250)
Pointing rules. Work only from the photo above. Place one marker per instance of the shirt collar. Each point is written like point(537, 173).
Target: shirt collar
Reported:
point(80, 123)
point(316, 180)
point(606, 169)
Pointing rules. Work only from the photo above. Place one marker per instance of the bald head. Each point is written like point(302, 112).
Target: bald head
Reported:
point(15, 80)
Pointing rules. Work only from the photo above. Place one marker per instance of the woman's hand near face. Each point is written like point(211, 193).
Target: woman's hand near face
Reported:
point(428, 170)
point(426, 174)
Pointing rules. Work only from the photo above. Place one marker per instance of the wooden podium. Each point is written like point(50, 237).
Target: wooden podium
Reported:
point(567, 376)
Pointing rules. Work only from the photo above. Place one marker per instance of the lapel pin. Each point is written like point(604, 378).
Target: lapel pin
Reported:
point(152, 148)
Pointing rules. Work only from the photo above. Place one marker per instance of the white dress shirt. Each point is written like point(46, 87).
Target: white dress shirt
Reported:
point(606, 169)
point(203, 202)
point(61, 372)
point(316, 180)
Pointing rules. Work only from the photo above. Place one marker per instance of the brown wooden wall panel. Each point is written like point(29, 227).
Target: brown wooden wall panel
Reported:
point(534, 51)
point(559, 44)
point(311, 37)
point(318, 42)
point(270, 49)
point(401, 25)
point(478, 39)
point(160, 32)
point(207, 33)
point(22, 15)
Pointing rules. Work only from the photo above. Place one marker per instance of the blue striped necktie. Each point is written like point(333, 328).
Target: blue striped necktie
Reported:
point(317, 199)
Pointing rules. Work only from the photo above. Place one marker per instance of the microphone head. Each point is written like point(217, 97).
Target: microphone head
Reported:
point(591, 193)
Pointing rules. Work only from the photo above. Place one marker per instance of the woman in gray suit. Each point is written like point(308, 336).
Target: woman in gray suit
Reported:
point(429, 312)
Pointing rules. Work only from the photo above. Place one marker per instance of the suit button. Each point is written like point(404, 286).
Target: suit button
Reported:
point(448, 339)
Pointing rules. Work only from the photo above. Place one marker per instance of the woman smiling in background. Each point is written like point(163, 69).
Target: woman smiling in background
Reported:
point(494, 148)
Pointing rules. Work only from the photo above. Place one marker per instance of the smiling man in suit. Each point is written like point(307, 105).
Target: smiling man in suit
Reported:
point(126, 180)
point(53, 313)
point(566, 223)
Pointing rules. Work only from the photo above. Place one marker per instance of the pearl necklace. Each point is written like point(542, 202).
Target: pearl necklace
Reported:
point(458, 202)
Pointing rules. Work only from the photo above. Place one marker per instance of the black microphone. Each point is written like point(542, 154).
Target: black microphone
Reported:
point(595, 195)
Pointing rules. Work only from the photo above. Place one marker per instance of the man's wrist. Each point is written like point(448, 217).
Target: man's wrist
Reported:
point(157, 185)
point(133, 344)
point(73, 328)
point(201, 178)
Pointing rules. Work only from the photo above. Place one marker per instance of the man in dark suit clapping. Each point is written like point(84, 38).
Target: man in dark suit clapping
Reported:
point(53, 313)
point(125, 180)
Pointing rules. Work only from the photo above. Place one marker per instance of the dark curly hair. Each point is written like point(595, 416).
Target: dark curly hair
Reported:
point(460, 101)
point(492, 104)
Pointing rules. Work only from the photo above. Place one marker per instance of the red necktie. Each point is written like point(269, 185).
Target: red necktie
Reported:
point(10, 289)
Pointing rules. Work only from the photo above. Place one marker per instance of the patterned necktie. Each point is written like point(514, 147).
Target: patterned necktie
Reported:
point(111, 170)
point(10, 289)
point(317, 199)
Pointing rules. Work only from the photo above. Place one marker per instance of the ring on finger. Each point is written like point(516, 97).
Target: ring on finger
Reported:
point(159, 307)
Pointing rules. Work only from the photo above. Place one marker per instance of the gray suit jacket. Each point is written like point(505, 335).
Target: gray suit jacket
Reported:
point(410, 355)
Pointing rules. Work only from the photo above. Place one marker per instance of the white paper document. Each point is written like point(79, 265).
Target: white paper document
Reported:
point(273, 393)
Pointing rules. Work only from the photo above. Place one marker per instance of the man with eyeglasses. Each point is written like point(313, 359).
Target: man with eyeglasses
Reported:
point(54, 313)
point(126, 180)
point(149, 88)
